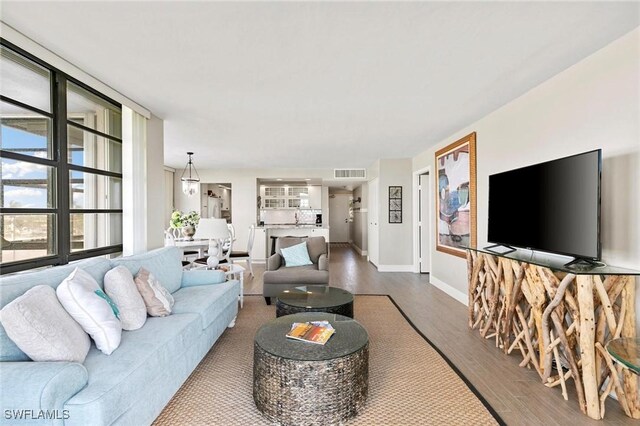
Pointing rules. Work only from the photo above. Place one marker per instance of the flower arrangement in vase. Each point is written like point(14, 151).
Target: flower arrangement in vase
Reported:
point(186, 222)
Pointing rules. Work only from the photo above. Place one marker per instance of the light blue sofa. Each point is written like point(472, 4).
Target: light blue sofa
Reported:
point(133, 384)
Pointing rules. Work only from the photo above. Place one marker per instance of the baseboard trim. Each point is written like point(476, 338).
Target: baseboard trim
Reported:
point(395, 268)
point(453, 292)
point(359, 250)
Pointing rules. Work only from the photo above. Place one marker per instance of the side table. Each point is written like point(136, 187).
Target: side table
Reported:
point(236, 272)
point(298, 383)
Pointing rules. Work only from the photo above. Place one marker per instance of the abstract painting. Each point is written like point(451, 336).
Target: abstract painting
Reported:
point(456, 196)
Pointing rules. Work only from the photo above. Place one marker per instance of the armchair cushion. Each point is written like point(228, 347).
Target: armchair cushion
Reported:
point(300, 275)
point(296, 255)
point(323, 262)
point(274, 262)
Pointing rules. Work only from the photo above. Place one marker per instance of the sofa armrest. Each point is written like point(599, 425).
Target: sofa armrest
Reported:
point(201, 277)
point(274, 262)
point(323, 262)
point(38, 386)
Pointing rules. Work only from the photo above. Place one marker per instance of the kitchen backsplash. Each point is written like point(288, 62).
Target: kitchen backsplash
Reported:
point(277, 217)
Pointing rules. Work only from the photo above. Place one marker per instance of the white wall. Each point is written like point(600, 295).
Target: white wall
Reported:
point(155, 183)
point(396, 239)
point(593, 104)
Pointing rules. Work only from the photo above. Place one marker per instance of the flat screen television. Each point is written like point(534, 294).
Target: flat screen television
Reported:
point(552, 207)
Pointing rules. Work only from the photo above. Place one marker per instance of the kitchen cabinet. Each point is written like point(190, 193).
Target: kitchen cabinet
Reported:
point(291, 197)
point(259, 249)
point(315, 197)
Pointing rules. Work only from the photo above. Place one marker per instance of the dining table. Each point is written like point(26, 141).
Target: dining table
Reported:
point(200, 244)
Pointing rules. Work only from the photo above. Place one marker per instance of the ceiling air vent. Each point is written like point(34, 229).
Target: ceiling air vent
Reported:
point(349, 173)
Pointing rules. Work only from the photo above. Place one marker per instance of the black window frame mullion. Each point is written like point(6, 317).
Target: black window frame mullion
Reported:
point(23, 265)
point(100, 251)
point(94, 131)
point(29, 158)
point(84, 169)
point(60, 143)
point(28, 107)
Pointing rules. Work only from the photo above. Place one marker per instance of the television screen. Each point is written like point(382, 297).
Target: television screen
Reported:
point(552, 206)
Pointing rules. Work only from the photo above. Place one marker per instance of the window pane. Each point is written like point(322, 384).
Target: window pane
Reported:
point(93, 230)
point(90, 150)
point(27, 236)
point(92, 111)
point(91, 191)
point(24, 80)
point(24, 131)
point(27, 185)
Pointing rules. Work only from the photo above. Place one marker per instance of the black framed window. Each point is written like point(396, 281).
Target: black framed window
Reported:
point(61, 159)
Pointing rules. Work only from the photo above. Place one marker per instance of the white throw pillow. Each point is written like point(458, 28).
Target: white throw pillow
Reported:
point(38, 324)
point(82, 297)
point(119, 285)
point(157, 299)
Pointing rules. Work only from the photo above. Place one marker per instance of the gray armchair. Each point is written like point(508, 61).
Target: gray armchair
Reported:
point(278, 277)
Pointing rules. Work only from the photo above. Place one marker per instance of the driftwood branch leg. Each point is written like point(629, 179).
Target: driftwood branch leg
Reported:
point(546, 368)
point(587, 345)
point(630, 381)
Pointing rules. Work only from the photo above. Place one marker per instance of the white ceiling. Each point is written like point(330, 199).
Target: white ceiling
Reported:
point(318, 85)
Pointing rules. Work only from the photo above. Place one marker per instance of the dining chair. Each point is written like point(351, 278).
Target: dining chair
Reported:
point(227, 242)
point(170, 240)
point(245, 255)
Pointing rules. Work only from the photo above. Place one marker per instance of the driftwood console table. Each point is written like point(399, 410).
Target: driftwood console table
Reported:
point(559, 320)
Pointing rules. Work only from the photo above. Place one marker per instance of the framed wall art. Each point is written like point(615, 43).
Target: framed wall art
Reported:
point(395, 204)
point(456, 199)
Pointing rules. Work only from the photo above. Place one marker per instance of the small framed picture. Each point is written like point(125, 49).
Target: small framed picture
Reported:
point(395, 204)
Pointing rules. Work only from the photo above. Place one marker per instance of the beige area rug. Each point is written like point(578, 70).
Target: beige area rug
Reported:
point(409, 382)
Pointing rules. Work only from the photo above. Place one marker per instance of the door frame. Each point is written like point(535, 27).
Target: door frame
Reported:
point(416, 220)
point(373, 208)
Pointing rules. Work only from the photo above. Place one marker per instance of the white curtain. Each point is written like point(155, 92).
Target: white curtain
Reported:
point(134, 171)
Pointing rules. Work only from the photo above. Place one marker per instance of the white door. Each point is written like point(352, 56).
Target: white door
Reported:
point(339, 218)
point(423, 224)
point(374, 229)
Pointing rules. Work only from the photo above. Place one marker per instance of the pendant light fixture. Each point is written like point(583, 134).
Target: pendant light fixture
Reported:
point(190, 180)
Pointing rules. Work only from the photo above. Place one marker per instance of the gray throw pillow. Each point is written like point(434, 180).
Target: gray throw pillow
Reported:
point(39, 325)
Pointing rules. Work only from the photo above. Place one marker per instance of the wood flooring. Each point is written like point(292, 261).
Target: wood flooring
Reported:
point(515, 393)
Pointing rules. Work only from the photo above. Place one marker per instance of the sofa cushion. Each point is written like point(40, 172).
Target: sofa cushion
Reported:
point(156, 298)
point(164, 263)
point(297, 275)
point(118, 380)
point(119, 285)
point(14, 285)
point(202, 277)
point(85, 301)
point(296, 255)
point(206, 300)
point(39, 325)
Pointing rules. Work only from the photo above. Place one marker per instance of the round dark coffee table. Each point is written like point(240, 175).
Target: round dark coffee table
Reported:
point(315, 298)
point(297, 382)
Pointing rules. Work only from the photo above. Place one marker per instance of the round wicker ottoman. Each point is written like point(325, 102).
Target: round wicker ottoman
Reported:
point(315, 298)
point(300, 383)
